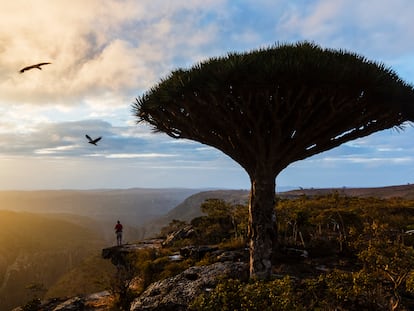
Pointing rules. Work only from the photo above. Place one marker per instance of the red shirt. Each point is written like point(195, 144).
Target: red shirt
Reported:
point(118, 228)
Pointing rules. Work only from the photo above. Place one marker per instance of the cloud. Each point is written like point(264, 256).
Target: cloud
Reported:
point(67, 140)
point(369, 161)
point(360, 26)
point(139, 155)
point(107, 48)
point(55, 150)
point(95, 46)
point(314, 19)
point(77, 37)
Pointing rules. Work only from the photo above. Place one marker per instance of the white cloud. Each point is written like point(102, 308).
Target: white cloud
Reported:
point(374, 28)
point(139, 155)
point(94, 46)
point(55, 150)
point(370, 161)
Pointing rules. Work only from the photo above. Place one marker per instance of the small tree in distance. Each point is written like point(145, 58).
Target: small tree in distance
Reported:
point(270, 107)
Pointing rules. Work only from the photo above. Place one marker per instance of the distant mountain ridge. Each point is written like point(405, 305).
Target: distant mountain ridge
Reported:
point(150, 209)
point(133, 206)
point(401, 191)
point(186, 211)
point(190, 207)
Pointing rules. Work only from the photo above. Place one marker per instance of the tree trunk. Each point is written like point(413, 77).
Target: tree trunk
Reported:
point(262, 226)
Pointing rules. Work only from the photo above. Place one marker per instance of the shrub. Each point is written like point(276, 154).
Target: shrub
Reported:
point(255, 296)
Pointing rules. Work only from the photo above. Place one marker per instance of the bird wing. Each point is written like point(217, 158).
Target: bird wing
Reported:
point(26, 68)
point(88, 137)
point(41, 64)
point(97, 139)
point(33, 66)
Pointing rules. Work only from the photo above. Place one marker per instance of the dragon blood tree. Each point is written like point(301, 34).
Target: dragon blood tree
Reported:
point(270, 107)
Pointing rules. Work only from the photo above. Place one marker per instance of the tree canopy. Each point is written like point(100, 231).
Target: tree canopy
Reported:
point(293, 101)
point(270, 107)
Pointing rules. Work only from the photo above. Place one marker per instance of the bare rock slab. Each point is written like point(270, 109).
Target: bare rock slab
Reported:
point(175, 293)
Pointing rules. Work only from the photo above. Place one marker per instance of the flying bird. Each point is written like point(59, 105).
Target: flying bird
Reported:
point(33, 66)
point(93, 141)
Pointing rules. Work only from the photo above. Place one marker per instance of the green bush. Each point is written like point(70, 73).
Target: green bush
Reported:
point(335, 230)
point(233, 294)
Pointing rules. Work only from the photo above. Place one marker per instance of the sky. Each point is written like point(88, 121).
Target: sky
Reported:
point(106, 53)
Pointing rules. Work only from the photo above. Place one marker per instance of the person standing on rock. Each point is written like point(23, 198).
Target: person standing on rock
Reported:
point(118, 232)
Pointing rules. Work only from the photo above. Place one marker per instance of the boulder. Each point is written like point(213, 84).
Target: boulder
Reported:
point(175, 293)
point(119, 254)
point(94, 302)
point(183, 233)
point(72, 304)
point(232, 255)
point(196, 252)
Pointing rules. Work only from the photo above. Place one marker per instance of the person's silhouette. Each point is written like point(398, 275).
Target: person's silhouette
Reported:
point(118, 232)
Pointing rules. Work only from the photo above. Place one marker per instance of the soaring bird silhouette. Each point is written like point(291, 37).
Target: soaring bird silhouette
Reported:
point(33, 66)
point(93, 141)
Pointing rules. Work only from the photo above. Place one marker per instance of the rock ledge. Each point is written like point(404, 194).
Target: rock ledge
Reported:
point(175, 293)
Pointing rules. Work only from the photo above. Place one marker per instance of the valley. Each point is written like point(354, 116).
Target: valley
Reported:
point(51, 241)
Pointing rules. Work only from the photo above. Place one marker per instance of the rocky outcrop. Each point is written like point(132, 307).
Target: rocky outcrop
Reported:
point(95, 302)
point(184, 233)
point(196, 252)
point(119, 254)
point(175, 293)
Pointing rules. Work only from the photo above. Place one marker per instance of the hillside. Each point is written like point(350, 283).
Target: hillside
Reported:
point(48, 237)
point(132, 206)
point(401, 191)
point(58, 249)
point(332, 254)
point(39, 249)
point(190, 207)
point(92, 275)
point(186, 210)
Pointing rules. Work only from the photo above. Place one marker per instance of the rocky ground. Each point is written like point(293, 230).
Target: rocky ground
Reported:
point(169, 294)
point(94, 302)
point(175, 293)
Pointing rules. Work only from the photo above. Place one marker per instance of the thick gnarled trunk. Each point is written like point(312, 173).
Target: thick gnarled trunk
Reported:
point(262, 226)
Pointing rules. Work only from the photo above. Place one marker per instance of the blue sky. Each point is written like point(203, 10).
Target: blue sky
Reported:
point(105, 53)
